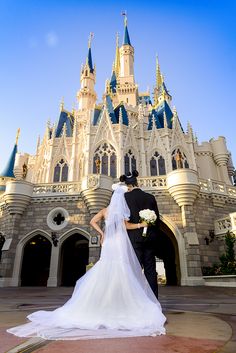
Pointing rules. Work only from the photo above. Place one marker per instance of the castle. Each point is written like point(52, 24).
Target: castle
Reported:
point(47, 199)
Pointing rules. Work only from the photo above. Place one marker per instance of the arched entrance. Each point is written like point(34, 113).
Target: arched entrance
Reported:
point(36, 261)
point(74, 259)
point(167, 250)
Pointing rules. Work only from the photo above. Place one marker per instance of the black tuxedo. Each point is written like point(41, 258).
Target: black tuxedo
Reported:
point(138, 200)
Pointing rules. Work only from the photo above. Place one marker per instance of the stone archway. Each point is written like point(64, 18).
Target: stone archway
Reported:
point(170, 248)
point(166, 249)
point(74, 257)
point(36, 258)
point(16, 276)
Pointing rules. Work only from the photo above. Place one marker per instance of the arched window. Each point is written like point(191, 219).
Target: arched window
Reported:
point(179, 160)
point(113, 165)
point(130, 162)
point(60, 172)
point(105, 161)
point(157, 165)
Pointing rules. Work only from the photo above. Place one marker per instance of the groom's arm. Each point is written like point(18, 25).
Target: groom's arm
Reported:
point(155, 209)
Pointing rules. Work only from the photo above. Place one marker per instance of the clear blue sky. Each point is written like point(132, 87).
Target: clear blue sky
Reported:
point(43, 44)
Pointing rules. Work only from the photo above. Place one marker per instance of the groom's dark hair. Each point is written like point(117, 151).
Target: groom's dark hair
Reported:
point(130, 178)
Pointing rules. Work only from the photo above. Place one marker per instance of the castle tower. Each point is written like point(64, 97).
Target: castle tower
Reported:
point(127, 89)
point(86, 95)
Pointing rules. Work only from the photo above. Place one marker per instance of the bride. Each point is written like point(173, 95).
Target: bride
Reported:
point(113, 299)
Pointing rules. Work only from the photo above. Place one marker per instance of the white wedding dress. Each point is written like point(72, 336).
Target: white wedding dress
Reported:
point(113, 299)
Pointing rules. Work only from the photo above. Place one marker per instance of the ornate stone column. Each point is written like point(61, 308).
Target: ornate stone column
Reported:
point(184, 187)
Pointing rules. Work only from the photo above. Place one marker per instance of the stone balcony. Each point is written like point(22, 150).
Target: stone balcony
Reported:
point(223, 225)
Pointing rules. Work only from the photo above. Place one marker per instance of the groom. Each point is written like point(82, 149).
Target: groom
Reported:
point(138, 200)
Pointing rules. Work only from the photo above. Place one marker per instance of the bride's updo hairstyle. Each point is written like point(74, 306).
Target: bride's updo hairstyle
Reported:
point(130, 178)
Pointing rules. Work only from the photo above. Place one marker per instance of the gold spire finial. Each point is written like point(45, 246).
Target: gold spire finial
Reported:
point(91, 35)
point(117, 57)
point(17, 135)
point(158, 74)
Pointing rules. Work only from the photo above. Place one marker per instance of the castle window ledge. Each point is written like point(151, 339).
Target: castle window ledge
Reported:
point(56, 188)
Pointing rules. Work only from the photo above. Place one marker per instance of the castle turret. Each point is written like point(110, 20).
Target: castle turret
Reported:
point(127, 57)
point(86, 95)
point(127, 89)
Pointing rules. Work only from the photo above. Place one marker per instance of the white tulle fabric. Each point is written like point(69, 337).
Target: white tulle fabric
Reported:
point(113, 299)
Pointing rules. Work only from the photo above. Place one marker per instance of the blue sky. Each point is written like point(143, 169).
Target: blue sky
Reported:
point(44, 43)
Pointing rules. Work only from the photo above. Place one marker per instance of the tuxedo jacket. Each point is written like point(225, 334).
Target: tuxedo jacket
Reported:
point(138, 200)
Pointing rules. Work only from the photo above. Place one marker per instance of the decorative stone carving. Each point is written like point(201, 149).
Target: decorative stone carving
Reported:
point(57, 218)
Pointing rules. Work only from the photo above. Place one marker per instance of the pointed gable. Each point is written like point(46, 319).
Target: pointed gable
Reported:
point(110, 110)
point(65, 119)
point(120, 110)
point(158, 114)
point(113, 82)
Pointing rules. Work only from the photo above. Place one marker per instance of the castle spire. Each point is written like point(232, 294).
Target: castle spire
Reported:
point(117, 57)
point(86, 95)
point(126, 40)
point(89, 60)
point(158, 74)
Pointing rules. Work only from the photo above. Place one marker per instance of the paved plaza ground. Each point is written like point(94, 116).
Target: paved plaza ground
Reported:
point(200, 320)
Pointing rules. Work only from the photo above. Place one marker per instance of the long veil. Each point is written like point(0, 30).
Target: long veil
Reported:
point(113, 299)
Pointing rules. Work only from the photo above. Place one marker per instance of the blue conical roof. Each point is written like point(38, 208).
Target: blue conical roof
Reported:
point(89, 59)
point(126, 40)
point(8, 170)
point(113, 82)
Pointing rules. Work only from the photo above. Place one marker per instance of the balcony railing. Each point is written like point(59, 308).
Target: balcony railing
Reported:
point(56, 188)
point(223, 225)
point(146, 183)
point(217, 187)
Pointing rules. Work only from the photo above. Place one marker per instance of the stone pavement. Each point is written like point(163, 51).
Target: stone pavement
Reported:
point(200, 320)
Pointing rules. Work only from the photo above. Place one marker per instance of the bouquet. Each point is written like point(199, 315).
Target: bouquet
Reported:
point(149, 217)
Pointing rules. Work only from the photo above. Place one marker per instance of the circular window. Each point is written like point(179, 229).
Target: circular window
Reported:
point(57, 218)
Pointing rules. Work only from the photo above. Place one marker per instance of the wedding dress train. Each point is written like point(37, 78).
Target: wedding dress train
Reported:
point(113, 299)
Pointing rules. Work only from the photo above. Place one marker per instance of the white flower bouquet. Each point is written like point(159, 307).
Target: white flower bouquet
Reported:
point(149, 217)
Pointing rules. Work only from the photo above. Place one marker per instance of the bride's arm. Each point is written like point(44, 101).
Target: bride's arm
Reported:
point(98, 217)
point(135, 225)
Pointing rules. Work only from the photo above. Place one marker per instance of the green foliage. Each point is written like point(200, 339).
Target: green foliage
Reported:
point(227, 265)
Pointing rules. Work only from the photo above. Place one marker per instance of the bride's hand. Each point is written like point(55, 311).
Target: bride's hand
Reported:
point(101, 238)
point(143, 224)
